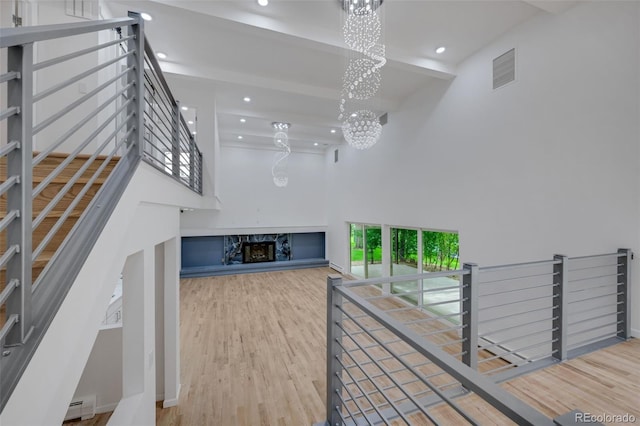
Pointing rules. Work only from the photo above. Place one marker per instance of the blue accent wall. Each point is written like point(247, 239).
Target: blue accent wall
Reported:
point(207, 253)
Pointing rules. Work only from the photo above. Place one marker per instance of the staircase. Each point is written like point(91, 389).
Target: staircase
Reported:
point(40, 173)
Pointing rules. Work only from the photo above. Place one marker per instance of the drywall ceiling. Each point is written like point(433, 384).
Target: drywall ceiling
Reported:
point(289, 56)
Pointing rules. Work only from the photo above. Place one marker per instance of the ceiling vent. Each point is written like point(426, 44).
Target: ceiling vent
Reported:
point(384, 118)
point(504, 69)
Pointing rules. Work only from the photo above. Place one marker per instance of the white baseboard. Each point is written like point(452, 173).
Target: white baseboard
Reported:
point(635, 333)
point(173, 401)
point(106, 408)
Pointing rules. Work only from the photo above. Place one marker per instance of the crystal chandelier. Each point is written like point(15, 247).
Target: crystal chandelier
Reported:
point(362, 79)
point(279, 165)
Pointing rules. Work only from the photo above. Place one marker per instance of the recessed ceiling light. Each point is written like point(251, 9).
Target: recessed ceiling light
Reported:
point(190, 122)
point(194, 132)
point(146, 16)
point(263, 2)
point(185, 108)
point(243, 120)
point(333, 130)
point(315, 144)
point(440, 49)
point(247, 99)
point(161, 55)
point(239, 137)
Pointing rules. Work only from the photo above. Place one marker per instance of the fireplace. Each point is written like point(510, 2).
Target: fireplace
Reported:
point(262, 251)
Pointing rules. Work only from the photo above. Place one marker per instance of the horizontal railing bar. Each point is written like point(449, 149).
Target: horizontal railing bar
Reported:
point(63, 111)
point(575, 333)
point(372, 382)
point(517, 289)
point(441, 303)
point(7, 255)
point(24, 35)
point(515, 351)
point(449, 402)
point(42, 155)
point(9, 112)
point(511, 339)
point(571, 302)
point(12, 285)
point(8, 219)
point(11, 321)
point(550, 296)
point(362, 395)
point(346, 406)
point(158, 104)
point(159, 119)
point(155, 66)
point(8, 184)
point(595, 318)
point(610, 305)
point(45, 241)
point(592, 339)
point(517, 314)
point(402, 278)
point(597, 256)
point(595, 278)
point(520, 277)
point(453, 342)
point(46, 181)
point(78, 77)
point(434, 318)
point(4, 150)
point(518, 265)
point(403, 293)
point(594, 267)
point(8, 76)
point(60, 59)
point(488, 333)
point(581, 289)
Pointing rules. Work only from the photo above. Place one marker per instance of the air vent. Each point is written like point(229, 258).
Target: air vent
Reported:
point(504, 69)
point(384, 118)
point(335, 156)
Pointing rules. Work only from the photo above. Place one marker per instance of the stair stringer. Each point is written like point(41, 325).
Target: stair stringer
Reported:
point(147, 214)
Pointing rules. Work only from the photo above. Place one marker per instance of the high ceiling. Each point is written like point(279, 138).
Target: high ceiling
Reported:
point(289, 56)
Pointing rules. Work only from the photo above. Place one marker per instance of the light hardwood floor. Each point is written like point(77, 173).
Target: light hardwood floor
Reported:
point(253, 353)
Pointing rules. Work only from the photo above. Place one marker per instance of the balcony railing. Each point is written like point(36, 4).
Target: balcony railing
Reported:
point(405, 357)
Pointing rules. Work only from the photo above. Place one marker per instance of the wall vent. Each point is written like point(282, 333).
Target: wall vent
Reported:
point(335, 156)
point(504, 69)
point(384, 118)
point(82, 408)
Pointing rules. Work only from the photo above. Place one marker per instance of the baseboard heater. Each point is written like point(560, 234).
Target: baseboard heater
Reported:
point(82, 408)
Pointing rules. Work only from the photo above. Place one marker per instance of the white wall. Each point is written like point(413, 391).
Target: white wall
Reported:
point(250, 200)
point(547, 164)
point(102, 374)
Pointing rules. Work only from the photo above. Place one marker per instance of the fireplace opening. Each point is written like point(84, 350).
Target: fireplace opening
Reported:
point(262, 251)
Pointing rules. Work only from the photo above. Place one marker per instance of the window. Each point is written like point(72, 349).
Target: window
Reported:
point(365, 250)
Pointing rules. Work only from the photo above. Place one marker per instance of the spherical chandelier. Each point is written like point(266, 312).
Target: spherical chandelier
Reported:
point(362, 129)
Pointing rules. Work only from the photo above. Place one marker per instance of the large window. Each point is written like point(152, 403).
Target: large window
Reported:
point(366, 250)
point(404, 261)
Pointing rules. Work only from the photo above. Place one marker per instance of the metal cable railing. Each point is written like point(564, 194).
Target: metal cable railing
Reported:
point(77, 123)
point(394, 357)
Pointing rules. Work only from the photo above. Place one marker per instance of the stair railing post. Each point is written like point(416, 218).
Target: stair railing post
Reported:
point(624, 302)
point(137, 77)
point(470, 315)
point(192, 162)
point(560, 303)
point(334, 351)
point(19, 197)
point(175, 142)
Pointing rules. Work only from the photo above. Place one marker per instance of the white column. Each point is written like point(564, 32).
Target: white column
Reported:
point(171, 322)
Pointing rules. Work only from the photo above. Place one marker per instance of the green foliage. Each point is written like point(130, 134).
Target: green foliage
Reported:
point(440, 250)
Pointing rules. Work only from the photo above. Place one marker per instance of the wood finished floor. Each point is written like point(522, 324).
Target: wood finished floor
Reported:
point(253, 353)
